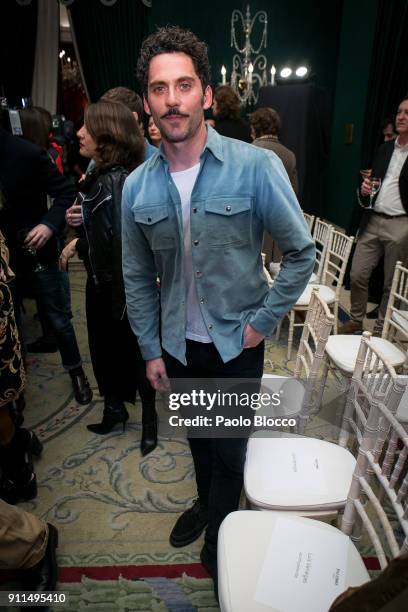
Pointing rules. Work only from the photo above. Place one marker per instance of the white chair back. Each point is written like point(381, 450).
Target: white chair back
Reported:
point(374, 380)
point(316, 330)
point(380, 476)
point(396, 319)
point(337, 257)
point(321, 236)
point(309, 220)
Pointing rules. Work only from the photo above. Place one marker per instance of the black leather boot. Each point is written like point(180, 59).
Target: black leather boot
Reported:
point(149, 429)
point(82, 390)
point(18, 481)
point(113, 414)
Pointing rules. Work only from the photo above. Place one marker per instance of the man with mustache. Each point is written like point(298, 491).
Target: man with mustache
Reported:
point(384, 228)
point(194, 214)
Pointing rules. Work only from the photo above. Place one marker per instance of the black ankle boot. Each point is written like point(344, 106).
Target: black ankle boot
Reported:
point(18, 490)
point(82, 390)
point(113, 414)
point(149, 430)
point(18, 481)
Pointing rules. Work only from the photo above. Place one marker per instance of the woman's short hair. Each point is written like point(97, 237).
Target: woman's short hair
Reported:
point(265, 121)
point(228, 104)
point(116, 133)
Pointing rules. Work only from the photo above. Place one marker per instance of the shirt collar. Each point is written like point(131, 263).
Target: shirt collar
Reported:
point(268, 137)
point(398, 146)
point(213, 144)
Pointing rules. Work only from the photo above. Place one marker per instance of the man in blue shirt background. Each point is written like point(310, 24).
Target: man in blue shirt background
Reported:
point(194, 215)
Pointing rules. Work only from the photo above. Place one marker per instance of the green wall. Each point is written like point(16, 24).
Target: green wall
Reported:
point(357, 36)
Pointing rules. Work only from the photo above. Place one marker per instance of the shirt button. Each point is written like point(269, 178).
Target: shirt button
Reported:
point(149, 219)
point(210, 326)
point(195, 210)
point(199, 274)
point(228, 208)
point(202, 300)
point(196, 242)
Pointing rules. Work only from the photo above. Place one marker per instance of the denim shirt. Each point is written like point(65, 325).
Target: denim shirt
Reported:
point(240, 191)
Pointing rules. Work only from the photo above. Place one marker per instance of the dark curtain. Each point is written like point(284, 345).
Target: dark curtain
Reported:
point(18, 29)
point(109, 40)
point(388, 83)
point(304, 112)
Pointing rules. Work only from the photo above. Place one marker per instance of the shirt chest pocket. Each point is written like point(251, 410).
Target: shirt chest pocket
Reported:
point(156, 226)
point(228, 221)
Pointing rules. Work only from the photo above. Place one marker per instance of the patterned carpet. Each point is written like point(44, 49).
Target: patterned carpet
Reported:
point(115, 510)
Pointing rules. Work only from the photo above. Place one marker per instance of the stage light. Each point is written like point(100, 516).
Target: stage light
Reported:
point(285, 73)
point(301, 71)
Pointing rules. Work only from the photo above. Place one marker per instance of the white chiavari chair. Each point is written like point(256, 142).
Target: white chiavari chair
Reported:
point(341, 349)
point(334, 269)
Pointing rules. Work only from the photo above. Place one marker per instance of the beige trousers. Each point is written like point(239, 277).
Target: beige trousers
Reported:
point(23, 538)
point(382, 236)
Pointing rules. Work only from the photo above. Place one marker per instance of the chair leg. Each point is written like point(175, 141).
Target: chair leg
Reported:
point(278, 330)
point(323, 380)
point(341, 410)
point(336, 317)
point(291, 329)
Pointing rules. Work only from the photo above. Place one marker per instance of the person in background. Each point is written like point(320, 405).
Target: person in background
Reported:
point(29, 545)
point(55, 150)
point(384, 227)
point(388, 129)
point(33, 233)
point(226, 110)
point(132, 100)
point(17, 478)
point(113, 140)
point(36, 123)
point(154, 133)
point(265, 126)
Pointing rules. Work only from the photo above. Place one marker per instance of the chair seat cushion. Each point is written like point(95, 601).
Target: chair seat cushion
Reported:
point(244, 541)
point(343, 350)
point(293, 472)
point(326, 293)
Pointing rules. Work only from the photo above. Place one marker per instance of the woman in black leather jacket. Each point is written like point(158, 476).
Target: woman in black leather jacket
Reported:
point(111, 137)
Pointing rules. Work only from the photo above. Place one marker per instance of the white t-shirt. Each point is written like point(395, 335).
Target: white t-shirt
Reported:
point(389, 198)
point(196, 328)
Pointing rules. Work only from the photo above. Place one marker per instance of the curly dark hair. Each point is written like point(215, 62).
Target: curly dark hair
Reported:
point(173, 39)
point(265, 121)
point(118, 138)
point(228, 104)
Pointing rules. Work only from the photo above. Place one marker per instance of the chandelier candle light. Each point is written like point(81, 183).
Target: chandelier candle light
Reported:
point(248, 65)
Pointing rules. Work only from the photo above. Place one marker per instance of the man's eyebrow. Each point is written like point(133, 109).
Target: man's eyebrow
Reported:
point(182, 78)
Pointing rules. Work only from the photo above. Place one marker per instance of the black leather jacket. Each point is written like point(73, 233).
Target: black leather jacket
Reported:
point(100, 243)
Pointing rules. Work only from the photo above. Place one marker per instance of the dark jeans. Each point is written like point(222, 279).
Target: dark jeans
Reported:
point(219, 463)
point(49, 287)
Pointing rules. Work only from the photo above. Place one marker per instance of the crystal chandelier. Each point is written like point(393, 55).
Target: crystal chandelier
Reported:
point(248, 65)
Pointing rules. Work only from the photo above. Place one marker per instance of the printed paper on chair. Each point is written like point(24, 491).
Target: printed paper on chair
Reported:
point(304, 570)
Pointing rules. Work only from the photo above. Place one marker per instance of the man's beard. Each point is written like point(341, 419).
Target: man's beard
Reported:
point(175, 136)
point(192, 127)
